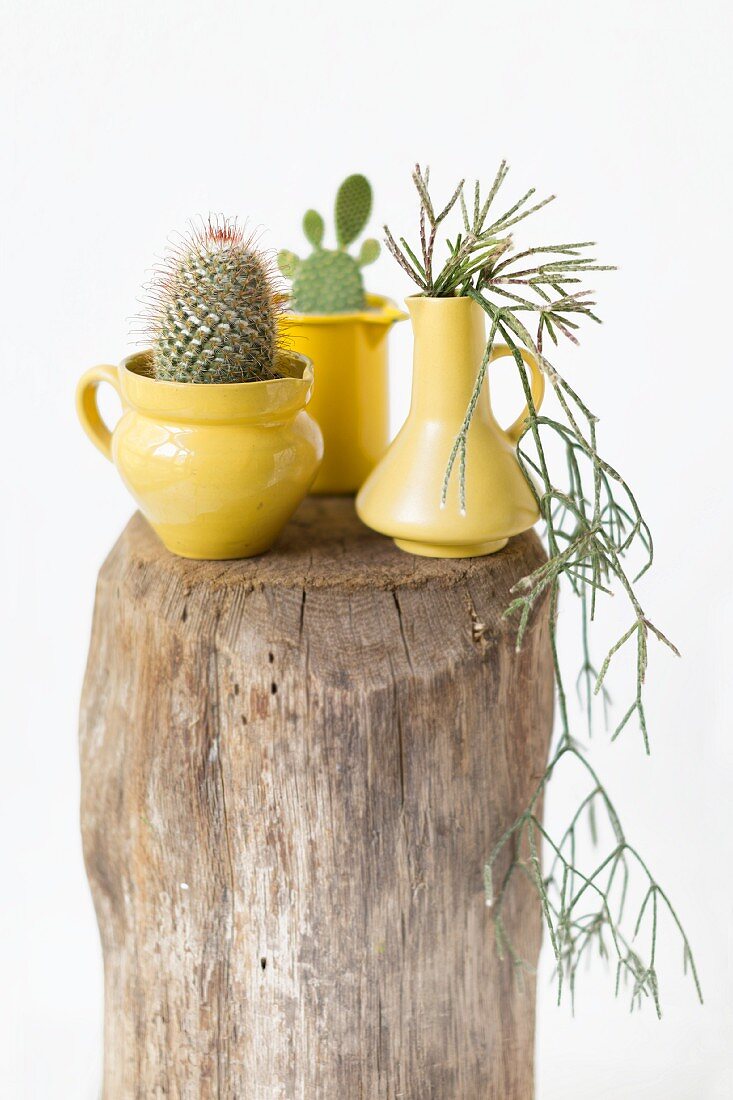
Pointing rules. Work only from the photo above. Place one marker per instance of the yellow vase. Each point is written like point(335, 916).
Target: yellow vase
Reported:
point(351, 391)
point(402, 496)
point(217, 470)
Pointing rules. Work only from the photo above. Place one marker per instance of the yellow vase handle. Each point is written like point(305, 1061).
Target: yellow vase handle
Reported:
point(536, 385)
point(87, 408)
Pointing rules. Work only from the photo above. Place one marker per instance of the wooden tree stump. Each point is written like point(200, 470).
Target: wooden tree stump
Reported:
point(293, 770)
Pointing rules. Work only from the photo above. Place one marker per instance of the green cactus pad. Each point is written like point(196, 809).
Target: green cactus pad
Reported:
point(215, 314)
point(288, 262)
point(313, 227)
point(369, 251)
point(328, 282)
point(353, 207)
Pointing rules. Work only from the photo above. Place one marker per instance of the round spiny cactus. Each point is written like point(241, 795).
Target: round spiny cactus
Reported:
point(213, 316)
point(330, 281)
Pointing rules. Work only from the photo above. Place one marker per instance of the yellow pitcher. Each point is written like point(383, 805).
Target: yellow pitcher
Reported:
point(217, 470)
point(351, 389)
point(402, 496)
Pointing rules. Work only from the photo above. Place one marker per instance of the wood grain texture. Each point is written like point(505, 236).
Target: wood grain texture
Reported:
point(293, 769)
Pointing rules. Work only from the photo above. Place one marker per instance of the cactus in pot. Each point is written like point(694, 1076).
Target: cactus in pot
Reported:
point(344, 331)
point(214, 315)
point(330, 280)
point(215, 443)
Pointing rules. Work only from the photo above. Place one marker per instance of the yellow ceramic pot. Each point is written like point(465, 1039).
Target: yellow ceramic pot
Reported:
point(401, 497)
point(351, 391)
point(217, 470)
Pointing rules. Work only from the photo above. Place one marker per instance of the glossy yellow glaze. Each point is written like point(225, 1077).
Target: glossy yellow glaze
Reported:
point(351, 388)
point(217, 470)
point(401, 497)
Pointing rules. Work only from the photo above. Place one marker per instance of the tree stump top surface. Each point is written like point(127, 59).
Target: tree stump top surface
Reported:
point(325, 545)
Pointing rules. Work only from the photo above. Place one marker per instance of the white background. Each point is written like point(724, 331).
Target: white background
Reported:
point(123, 120)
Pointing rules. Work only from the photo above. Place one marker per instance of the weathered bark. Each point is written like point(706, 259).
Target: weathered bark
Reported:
point(293, 770)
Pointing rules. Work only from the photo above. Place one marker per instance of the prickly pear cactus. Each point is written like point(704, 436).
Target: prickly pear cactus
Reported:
point(213, 316)
point(330, 280)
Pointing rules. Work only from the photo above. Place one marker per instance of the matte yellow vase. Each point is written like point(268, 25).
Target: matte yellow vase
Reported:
point(351, 389)
point(217, 470)
point(402, 496)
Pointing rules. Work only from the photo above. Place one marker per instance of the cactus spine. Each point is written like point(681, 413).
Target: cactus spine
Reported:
point(330, 280)
point(213, 316)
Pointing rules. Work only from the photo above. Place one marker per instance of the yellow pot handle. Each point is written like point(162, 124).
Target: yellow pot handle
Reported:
point(87, 408)
point(536, 385)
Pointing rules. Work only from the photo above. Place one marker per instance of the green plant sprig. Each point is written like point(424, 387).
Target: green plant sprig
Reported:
point(592, 524)
point(573, 928)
